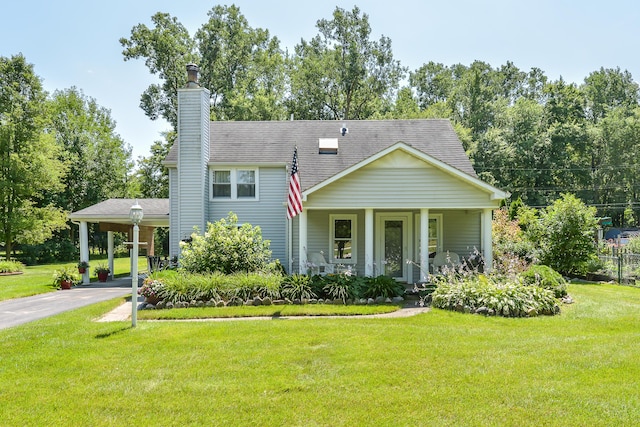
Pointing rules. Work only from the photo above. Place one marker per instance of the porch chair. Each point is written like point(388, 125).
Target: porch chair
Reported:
point(319, 265)
point(442, 259)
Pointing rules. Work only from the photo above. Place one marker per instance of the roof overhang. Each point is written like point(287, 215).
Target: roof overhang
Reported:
point(156, 212)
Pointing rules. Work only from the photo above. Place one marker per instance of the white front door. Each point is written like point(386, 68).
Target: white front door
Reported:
point(393, 247)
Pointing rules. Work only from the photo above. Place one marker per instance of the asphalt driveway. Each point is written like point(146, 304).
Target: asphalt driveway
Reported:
point(23, 310)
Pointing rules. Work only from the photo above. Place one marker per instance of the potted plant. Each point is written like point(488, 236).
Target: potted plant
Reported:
point(82, 267)
point(64, 278)
point(102, 271)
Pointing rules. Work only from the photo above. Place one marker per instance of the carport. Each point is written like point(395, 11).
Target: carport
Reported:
point(113, 215)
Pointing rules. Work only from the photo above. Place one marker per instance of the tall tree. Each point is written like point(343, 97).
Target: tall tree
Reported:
point(98, 159)
point(167, 49)
point(153, 176)
point(341, 73)
point(29, 164)
point(243, 67)
point(608, 89)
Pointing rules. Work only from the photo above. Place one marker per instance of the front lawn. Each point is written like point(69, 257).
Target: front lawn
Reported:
point(437, 368)
point(37, 279)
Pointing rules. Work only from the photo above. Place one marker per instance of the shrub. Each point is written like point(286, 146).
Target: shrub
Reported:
point(186, 287)
point(10, 266)
point(342, 287)
point(566, 231)
point(226, 247)
point(382, 286)
point(547, 278)
point(484, 295)
point(297, 286)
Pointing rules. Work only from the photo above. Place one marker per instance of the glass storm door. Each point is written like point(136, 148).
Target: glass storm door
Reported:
point(393, 245)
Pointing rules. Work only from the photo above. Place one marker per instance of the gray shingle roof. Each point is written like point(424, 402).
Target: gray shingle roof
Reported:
point(273, 142)
point(120, 208)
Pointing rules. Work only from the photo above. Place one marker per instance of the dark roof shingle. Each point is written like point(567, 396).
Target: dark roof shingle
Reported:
point(274, 141)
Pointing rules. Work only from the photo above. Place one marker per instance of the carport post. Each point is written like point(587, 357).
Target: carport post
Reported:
point(84, 248)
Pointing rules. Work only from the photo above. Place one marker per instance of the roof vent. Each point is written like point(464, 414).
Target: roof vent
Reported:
point(328, 146)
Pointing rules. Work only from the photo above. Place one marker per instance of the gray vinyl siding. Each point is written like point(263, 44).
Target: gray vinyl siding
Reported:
point(193, 154)
point(401, 188)
point(174, 238)
point(461, 232)
point(269, 211)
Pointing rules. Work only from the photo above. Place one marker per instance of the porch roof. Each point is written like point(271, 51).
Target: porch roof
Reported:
point(156, 212)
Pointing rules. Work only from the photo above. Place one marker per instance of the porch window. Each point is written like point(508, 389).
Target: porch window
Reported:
point(234, 183)
point(343, 238)
point(435, 234)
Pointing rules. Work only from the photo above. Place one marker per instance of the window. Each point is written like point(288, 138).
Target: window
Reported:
point(221, 184)
point(246, 183)
point(343, 239)
point(234, 184)
point(435, 235)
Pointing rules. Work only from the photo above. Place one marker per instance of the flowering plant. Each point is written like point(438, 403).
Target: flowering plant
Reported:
point(83, 264)
point(150, 289)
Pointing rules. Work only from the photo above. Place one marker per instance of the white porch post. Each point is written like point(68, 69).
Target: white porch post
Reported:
point(487, 241)
point(368, 242)
point(110, 252)
point(84, 248)
point(302, 242)
point(424, 244)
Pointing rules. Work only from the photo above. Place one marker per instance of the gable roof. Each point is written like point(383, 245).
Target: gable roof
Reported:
point(272, 142)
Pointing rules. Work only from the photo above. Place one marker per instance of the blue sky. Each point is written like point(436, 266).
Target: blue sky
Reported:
point(75, 43)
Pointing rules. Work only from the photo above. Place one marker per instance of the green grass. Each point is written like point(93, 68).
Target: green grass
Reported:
point(37, 279)
point(440, 368)
point(266, 311)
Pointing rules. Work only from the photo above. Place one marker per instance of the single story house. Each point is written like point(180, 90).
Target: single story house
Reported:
point(378, 196)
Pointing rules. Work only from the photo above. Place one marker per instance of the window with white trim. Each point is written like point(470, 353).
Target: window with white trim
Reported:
point(234, 183)
point(343, 239)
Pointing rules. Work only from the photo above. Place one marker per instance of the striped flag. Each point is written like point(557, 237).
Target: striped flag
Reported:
point(294, 202)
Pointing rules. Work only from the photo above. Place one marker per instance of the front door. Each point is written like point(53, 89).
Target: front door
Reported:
point(393, 245)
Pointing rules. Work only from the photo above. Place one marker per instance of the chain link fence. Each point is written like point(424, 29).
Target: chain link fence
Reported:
point(621, 267)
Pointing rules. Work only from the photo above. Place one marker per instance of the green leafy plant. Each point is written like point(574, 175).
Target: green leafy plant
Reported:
point(226, 247)
point(101, 269)
point(297, 286)
point(494, 296)
point(382, 286)
point(8, 266)
point(83, 264)
point(547, 278)
point(342, 286)
point(65, 274)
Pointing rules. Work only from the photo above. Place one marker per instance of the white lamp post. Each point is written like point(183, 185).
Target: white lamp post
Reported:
point(135, 214)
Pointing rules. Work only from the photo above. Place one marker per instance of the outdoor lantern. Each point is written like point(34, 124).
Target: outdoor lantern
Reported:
point(135, 214)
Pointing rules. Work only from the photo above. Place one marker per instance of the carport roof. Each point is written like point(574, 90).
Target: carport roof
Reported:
point(156, 212)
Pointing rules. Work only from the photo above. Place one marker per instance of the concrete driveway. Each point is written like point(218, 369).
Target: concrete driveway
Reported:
point(23, 310)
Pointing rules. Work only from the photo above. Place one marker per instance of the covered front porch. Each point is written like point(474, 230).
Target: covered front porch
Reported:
point(400, 243)
point(113, 216)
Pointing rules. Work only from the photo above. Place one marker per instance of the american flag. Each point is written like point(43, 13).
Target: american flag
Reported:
point(294, 202)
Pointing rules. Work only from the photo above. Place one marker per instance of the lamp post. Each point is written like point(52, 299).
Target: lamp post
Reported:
point(135, 214)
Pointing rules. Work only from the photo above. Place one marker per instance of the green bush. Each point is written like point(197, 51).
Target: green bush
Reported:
point(226, 247)
point(482, 294)
point(297, 286)
point(547, 278)
point(382, 286)
point(342, 287)
point(10, 266)
point(565, 232)
point(187, 287)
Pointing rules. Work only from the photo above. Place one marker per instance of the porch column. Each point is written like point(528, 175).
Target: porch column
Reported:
point(487, 241)
point(424, 244)
point(368, 242)
point(302, 242)
point(110, 252)
point(84, 248)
